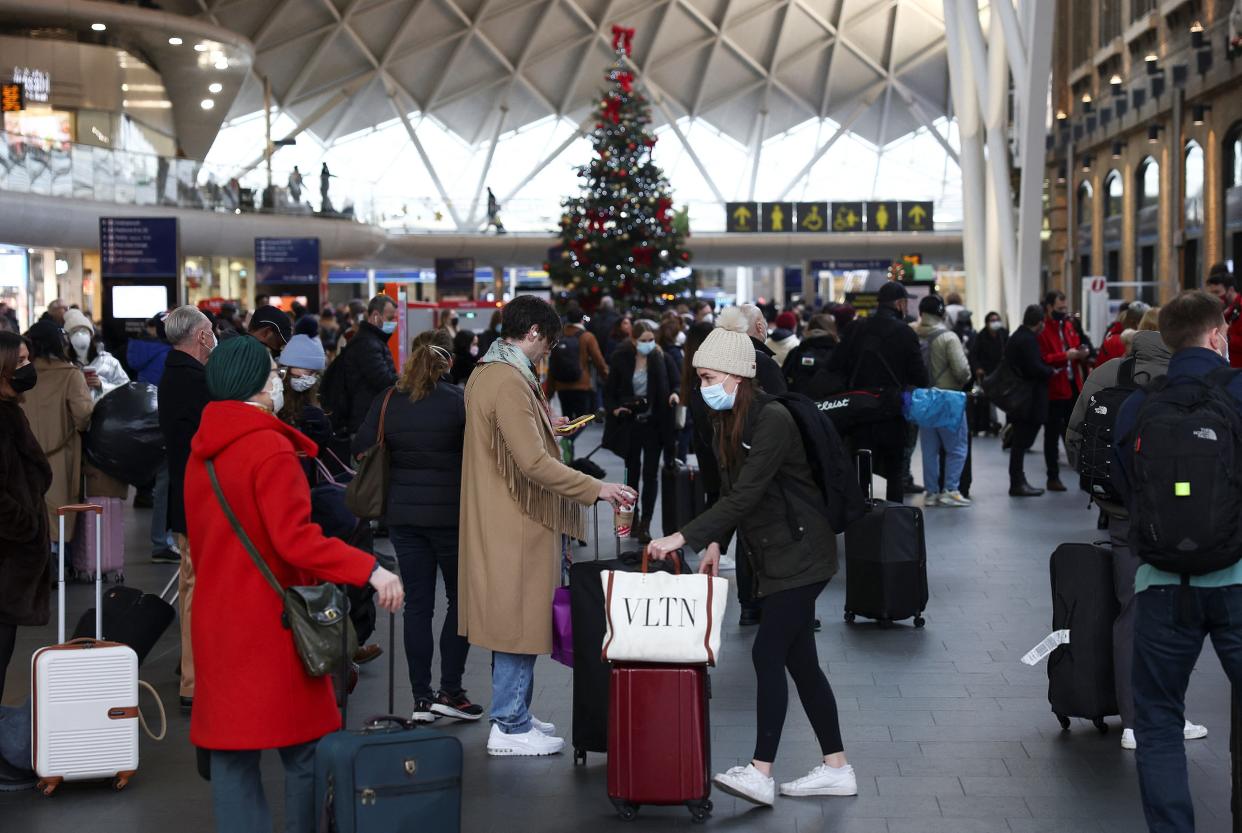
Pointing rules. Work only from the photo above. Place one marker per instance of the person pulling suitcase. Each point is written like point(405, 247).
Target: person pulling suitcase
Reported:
point(770, 495)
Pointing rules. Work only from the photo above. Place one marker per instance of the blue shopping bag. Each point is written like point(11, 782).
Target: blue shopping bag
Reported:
point(934, 407)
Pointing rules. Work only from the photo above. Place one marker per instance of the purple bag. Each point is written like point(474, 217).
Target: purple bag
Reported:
point(562, 628)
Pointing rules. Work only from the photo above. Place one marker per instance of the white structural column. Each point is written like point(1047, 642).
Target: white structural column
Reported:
point(969, 127)
point(1001, 254)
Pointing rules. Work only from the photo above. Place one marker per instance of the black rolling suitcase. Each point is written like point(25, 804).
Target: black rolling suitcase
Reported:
point(885, 559)
point(132, 617)
point(591, 678)
point(682, 496)
point(1080, 674)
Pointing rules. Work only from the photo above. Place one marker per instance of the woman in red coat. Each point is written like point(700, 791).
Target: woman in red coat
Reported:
point(251, 692)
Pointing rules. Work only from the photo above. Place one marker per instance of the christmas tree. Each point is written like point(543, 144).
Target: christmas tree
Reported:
point(620, 237)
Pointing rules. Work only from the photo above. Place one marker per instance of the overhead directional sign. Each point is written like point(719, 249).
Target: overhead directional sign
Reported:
point(883, 216)
point(813, 216)
point(778, 216)
point(916, 216)
point(286, 259)
point(847, 216)
point(742, 216)
point(138, 247)
point(454, 277)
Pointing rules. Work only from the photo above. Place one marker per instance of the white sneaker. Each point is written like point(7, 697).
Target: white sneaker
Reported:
point(527, 744)
point(931, 499)
point(727, 562)
point(954, 498)
point(1127, 739)
point(748, 783)
point(824, 780)
point(548, 729)
point(1193, 731)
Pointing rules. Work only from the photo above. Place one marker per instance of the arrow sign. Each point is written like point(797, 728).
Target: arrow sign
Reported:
point(742, 216)
point(917, 216)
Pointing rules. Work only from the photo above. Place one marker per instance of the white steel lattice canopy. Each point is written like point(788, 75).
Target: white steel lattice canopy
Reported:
point(751, 68)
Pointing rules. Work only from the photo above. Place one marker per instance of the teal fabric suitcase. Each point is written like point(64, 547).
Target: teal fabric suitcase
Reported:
point(389, 777)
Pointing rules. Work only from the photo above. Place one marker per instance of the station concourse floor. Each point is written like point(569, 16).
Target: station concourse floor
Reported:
point(946, 729)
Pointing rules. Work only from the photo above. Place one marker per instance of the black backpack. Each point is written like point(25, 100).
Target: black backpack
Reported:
point(1095, 453)
point(828, 459)
point(565, 362)
point(334, 392)
point(806, 371)
point(1187, 495)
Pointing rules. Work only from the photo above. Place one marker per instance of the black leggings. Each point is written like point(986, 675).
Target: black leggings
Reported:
point(8, 641)
point(643, 459)
point(786, 640)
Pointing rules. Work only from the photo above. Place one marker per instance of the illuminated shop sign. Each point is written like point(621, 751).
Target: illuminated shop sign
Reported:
point(37, 83)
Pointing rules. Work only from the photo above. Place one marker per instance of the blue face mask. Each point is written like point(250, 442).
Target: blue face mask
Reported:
point(645, 347)
point(716, 398)
point(497, 328)
point(389, 327)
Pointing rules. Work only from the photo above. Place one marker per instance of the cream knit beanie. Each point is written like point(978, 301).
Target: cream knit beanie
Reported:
point(728, 348)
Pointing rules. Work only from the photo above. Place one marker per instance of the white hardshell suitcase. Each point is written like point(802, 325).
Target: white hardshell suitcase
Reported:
point(84, 722)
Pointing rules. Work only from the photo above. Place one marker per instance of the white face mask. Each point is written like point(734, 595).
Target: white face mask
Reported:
point(996, 325)
point(680, 340)
point(81, 341)
point(302, 384)
point(474, 349)
point(277, 392)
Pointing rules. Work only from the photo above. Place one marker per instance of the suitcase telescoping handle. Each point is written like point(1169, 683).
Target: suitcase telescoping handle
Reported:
point(60, 583)
point(865, 474)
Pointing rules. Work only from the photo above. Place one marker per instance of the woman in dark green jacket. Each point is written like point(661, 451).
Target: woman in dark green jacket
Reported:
point(770, 498)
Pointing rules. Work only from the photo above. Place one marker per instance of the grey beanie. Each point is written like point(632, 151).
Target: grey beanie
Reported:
point(304, 352)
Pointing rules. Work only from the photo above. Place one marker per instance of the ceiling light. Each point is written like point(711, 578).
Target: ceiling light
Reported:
point(1061, 175)
point(1196, 35)
point(1199, 111)
point(1062, 115)
point(1117, 149)
point(125, 88)
point(1151, 59)
point(175, 41)
point(98, 27)
point(1153, 134)
point(214, 88)
point(200, 47)
point(207, 103)
point(1086, 98)
point(1086, 163)
point(222, 63)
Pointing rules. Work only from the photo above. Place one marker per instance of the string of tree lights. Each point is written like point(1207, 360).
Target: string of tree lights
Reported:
point(621, 236)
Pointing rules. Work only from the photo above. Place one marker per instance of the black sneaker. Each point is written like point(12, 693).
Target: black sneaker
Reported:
point(166, 556)
point(456, 706)
point(423, 712)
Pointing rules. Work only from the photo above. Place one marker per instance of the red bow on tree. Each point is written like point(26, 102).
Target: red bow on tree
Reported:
point(612, 109)
point(626, 80)
point(622, 38)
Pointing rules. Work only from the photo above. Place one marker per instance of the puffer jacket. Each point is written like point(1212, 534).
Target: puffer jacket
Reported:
point(769, 495)
point(947, 366)
point(425, 440)
point(1152, 359)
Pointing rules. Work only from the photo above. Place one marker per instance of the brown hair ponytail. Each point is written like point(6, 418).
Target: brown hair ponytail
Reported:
point(430, 360)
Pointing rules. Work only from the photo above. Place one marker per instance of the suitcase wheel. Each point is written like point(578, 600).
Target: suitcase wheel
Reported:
point(625, 810)
point(580, 757)
point(700, 811)
point(849, 617)
point(1100, 725)
point(919, 621)
point(1065, 722)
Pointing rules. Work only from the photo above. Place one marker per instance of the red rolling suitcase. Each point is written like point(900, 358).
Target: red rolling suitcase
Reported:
point(659, 748)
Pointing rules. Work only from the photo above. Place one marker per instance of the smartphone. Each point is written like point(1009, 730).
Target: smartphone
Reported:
point(570, 427)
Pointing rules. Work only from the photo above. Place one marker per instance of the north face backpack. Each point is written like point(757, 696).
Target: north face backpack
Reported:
point(828, 459)
point(1187, 501)
point(1095, 454)
point(564, 364)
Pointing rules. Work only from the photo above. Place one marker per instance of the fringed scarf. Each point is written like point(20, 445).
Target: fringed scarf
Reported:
point(557, 513)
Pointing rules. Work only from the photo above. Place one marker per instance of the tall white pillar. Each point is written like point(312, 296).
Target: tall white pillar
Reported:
point(970, 155)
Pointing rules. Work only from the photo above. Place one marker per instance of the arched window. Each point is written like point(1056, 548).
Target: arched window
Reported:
point(1193, 170)
point(1148, 183)
point(1233, 157)
point(1113, 190)
point(1083, 205)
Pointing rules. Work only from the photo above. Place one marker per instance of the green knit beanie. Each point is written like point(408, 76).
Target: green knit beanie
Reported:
point(238, 369)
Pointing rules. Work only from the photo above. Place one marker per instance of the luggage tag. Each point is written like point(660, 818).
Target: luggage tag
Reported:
point(1046, 647)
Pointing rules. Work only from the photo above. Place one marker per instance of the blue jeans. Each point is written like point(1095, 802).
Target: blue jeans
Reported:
point(420, 552)
point(953, 441)
point(513, 683)
point(1166, 647)
point(237, 790)
point(161, 538)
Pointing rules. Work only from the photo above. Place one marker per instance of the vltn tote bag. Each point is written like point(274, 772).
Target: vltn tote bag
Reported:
point(663, 617)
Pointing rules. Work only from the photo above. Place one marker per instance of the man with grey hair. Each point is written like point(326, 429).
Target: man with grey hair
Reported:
point(767, 372)
point(182, 398)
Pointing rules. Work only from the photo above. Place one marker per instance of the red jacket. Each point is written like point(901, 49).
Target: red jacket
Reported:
point(1112, 348)
point(1055, 339)
point(1233, 314)
point(250, 690)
